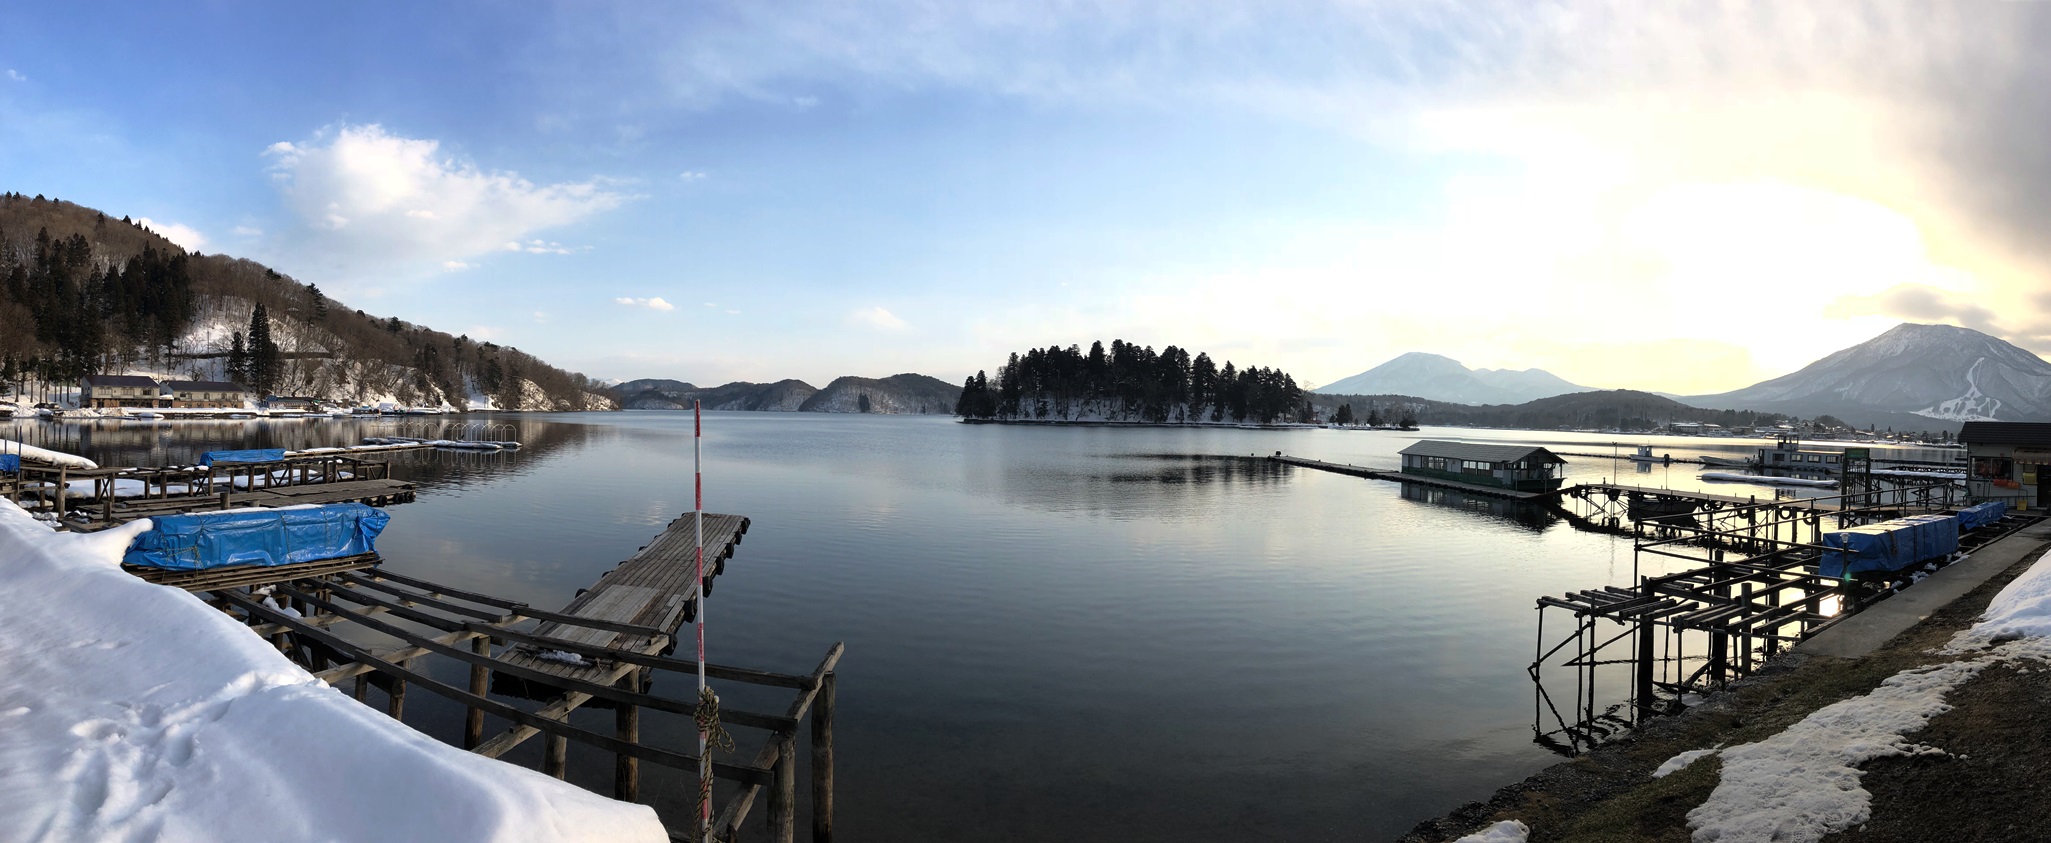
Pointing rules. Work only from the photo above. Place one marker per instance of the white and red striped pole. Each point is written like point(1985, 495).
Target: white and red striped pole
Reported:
point(698, 539)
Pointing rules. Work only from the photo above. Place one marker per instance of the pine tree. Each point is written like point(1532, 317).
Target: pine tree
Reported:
point(238, 360)
point(266, 365)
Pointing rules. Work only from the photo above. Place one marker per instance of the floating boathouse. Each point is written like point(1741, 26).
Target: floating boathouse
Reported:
point(1523, 468)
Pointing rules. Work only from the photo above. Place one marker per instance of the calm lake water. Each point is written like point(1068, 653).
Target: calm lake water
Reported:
point(1052, 633)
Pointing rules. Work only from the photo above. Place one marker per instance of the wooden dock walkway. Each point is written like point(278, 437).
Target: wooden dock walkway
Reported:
point(1399, 477)
point(651, 594)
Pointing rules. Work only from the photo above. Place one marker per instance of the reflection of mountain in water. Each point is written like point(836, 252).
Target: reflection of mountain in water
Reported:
point(1526, 516)
point(1198, 469)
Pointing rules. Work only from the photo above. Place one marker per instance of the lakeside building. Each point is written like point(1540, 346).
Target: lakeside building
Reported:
point(207, 394)
point(1524, 468)
point(298, 403)
point(2009, 462)
point(101, 391)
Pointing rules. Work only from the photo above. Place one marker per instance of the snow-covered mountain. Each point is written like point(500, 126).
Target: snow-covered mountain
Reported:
point(1442, 378)
point(1934, 371)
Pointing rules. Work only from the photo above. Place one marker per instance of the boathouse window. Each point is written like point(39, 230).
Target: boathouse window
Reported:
point(1993, 468)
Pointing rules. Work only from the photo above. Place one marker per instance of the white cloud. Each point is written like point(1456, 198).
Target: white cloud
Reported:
point(691, 175)
point(16, 75)
point(541, 317)
point(654, 303)
point(183, 235)
point(371, 200)
point(877, 318)
point(246, 231)
point(457, 266)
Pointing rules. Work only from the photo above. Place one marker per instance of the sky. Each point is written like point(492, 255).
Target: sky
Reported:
point(1678, 197)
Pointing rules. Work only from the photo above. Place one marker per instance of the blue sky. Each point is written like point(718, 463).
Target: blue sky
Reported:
point(717, 191)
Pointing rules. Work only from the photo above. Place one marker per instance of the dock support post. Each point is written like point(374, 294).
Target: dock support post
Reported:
point(555, 755)
point(480, 683)
point(626, 771)
point(822, 761)
point(396, 706)
point(1646, 631)
point(783, 793)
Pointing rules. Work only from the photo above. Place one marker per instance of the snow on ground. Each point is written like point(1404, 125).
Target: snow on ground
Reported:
point(1803, 783)
point(134, 712)
point(1507, 831)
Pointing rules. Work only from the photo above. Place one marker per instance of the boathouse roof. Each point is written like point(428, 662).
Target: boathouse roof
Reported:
point(119, 380)
point(1479, 452)
point(2005, 433)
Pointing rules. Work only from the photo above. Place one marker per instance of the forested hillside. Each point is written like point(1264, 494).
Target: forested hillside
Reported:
point(84, 294)
point(1129, 382)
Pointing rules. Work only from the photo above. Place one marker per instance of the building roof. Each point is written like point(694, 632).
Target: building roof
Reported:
point(119, 380)
point(2005, 433)
point(1479, 452)
point(203, 386)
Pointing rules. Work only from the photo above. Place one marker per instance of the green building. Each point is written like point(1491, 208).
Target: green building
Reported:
point(1524, 468)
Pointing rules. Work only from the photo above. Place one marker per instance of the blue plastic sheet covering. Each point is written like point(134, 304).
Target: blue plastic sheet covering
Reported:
point(10, 462)
point(258, 455)
point(1980, 515)
point(257, 537)
point(1889, 546)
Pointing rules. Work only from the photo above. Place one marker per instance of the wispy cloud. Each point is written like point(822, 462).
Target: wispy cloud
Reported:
point(246, 231)
point(370, 200)
point(457, 266)
point(15, 75)
point(877, 318)
point(652, 303)
point(183, 235)
point(692, 175)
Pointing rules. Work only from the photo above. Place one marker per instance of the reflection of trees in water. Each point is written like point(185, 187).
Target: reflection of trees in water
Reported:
point(1199, 469)
point(154, 443)
point(1515, 513)
point(1139, 485)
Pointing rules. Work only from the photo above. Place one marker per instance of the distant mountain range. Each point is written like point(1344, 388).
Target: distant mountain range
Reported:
point(905, 394)
point(1440, 378)
point(1912, 377)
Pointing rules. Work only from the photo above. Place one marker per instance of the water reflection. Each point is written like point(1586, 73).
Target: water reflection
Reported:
point(1526, 516)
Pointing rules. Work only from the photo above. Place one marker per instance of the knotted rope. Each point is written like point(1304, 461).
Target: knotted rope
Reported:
point(706, 715)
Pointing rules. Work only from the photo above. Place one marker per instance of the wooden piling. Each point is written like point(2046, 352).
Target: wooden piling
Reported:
point(396, 705)
point(822, 761)
point(480, 683)
point(783, 792)
point(555, 755)
point(626, 777)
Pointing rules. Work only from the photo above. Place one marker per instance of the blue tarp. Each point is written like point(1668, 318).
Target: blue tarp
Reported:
point(10, 462)
point(1981, 515)
point(257, 537)
point(259, 455)
point(1888, 546)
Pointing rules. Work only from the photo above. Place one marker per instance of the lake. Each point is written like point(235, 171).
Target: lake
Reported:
point(1052, 633)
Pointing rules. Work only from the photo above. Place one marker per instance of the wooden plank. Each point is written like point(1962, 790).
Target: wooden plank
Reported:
point(621, 603)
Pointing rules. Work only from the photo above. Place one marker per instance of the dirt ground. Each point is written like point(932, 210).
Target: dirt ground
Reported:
point(1994, 785)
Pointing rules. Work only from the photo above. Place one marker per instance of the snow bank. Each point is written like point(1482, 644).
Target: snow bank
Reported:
point(1507, 831)
point(1803, 783)
point(33, 454)
point(130, 711)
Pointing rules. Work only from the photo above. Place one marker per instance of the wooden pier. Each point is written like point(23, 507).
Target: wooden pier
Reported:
point(293, 481)
point(604, 646)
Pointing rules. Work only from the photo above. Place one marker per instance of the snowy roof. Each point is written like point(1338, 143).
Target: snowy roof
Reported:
point(203, 386)
point(2005, 433)
point(1478, 452)
point(119, 380)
